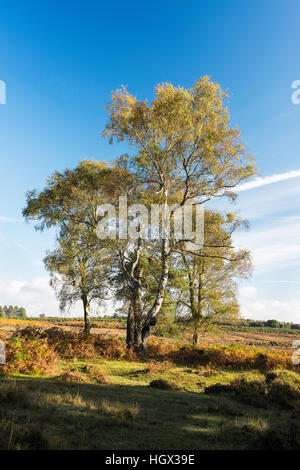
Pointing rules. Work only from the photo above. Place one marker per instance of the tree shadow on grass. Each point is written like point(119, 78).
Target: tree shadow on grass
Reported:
point(49, 413)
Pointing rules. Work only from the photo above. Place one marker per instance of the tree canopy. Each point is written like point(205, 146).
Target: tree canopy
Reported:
point(184, 151)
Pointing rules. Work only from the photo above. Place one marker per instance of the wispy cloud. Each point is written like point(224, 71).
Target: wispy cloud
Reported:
point(8, 219)
point(35, 295)
point(255, 305)
point(263, 181)
point(277, 282)
point(38, 297)
point(265, 309)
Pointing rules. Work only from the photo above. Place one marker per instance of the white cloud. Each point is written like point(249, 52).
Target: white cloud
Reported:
point(263, 181)
point(8, 219)
point(10, 242)
point(36, 295)
point(265, 309)
point(276, 281)
point(256, 304)
point(248, 292)
point(274, 247)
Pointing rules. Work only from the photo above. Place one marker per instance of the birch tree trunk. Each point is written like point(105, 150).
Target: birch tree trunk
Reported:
point(130, 327)
point(152, 314)
point(86, 310)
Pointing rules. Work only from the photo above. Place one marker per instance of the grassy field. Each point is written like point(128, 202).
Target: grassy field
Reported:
point(59, 391)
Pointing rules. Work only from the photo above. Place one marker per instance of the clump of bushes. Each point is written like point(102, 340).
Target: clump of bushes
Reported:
point(163, 385)
point(287, 376)
point(95, 373)
point(273, 390)
point(158, 366)
point(69, 344)
point(157, 348)
point(120, 413)
point(167, 330)
point(234, 357)
point(20, 434)
point(30, 356)
point(189, 355)
point(16, 395)
point(239, 358)
point(280, 436)
point(73, 376)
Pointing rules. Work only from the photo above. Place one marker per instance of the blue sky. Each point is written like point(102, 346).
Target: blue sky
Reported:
point(61, 60)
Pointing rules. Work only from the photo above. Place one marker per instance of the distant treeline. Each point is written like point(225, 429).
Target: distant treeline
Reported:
point(52, 319)
point(261, 325)
point(273, 324)
point(20, 312)
point(182, 320)
point(12, 312)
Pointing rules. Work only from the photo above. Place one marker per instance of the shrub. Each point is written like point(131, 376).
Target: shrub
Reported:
point(167, 330)
point(21, 434)
point(156, 366)
point(66, 343)
point(163, 385)
point(30, 356)
point(218, 388)
point(120, 413)
point(273, 324)
point(272, 390)
point(157, 348)
point(96, 374)
point(189, 355)
point(287, 376)
point(69, 344)
point(16, 395)
point(283, 436)
point(70, 375)
point(234, 357)
point(271, 376)
point(283, 394)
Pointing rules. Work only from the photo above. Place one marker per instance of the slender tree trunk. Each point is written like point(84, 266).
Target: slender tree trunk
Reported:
point(137, 305)
point(196, 335)
point(130, 327)
point(138, 338)
point(134, 319)
point(152, 314)
point(192, 303)
point(86, 310)
point(197, 306)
